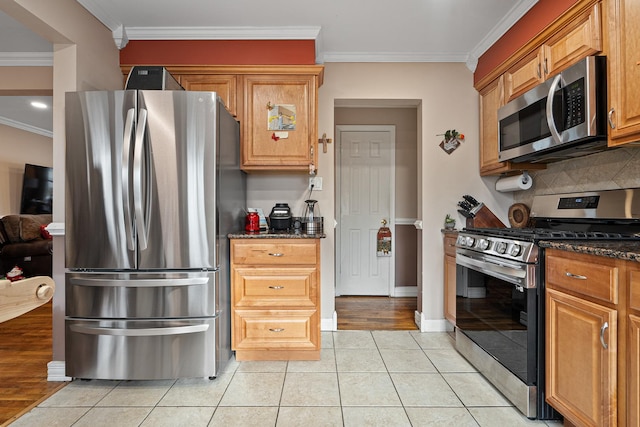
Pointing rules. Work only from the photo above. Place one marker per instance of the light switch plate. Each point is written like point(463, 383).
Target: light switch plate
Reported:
point(316, 181)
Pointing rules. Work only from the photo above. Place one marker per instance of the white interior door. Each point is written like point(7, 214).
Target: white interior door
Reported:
point(365, 191)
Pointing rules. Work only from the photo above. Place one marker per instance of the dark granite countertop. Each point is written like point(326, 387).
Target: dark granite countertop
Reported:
point(275, 235)
point(626, 250)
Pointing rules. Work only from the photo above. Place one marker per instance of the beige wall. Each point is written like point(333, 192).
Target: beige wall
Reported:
point(26, 81)
point(19, 147)
point(446, 99)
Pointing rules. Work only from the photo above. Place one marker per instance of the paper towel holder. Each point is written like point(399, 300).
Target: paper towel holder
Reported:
point(515, 182)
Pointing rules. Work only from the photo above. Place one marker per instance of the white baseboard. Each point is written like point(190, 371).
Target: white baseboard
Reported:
point(330, 324)
point(432, 325)
point(405, 291)
point(56, 371)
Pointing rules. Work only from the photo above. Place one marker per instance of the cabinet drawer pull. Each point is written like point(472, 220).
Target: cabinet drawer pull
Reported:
point(576, 276)
point(276, 287)
point(276, 329)
point(604, 328)
point(610, 118)
point(276, 254)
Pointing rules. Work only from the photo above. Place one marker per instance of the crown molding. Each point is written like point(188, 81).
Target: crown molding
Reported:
point(223, 33)
point(514, 15)
point(26, 127)
point(26, 59)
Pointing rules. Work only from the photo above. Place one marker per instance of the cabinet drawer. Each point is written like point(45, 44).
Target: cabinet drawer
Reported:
point(283, 287)
point(590, 276)
point(275, 329)
point(274, 253)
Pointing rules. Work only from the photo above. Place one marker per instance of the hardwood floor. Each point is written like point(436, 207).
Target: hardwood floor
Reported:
point(25, 350)
point(376, 313)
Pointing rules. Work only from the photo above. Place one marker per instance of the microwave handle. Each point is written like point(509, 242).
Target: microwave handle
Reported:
point(549, 109)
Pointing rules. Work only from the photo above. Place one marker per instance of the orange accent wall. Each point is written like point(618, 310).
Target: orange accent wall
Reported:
point(219, 52)
point(530, 25)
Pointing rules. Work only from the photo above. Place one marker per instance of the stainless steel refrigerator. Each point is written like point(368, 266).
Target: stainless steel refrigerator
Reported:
point(153, 187)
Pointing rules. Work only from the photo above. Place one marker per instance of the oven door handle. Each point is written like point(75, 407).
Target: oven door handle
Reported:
point(508, 274)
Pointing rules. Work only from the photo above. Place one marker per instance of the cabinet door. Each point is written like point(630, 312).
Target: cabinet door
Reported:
point(224, 85)
point(633, 361)
point(450, 276)
point(450, 288)
point(525, 75)
point(491, 98)
point(573, 44)
point(580, 371)
point(280, 126)
point(624, 71)
point(633, 370)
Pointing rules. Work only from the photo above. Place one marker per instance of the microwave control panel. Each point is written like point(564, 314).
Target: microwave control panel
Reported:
point(574, 103)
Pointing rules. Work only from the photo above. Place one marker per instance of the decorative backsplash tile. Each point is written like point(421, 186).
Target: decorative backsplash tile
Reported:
point(609, 170)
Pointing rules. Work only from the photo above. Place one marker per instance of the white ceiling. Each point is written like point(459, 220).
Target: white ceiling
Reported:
point(343, 30)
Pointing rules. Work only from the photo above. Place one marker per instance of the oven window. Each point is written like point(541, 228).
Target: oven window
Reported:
point(499, 318)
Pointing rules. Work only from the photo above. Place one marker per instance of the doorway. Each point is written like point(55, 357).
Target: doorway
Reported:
point(403, 296)
point(365, 184)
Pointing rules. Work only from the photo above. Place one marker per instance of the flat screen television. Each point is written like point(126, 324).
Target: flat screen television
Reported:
point(37, 190)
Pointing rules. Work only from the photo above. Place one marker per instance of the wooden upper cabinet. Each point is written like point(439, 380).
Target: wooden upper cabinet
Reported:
point(523, 76)
point(491, 98)
point(224, 84)
point(624, 71)
point(280, 122)
point(574, 42)
point(583, 37)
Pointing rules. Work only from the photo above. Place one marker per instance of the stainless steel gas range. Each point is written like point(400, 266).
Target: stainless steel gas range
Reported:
point(500, 287)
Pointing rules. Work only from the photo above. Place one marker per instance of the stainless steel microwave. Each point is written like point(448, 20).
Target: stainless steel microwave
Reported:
point(563, 117)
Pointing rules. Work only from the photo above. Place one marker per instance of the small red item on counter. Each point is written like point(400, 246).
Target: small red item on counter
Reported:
point(15, 274)
point(252, 223)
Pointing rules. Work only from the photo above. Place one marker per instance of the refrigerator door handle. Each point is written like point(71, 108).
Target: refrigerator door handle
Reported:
point(126, 148)
point(143, 332)
point(139, 283)
point(138, 194)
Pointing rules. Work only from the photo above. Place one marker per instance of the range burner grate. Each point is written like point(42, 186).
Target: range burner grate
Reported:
point(552, 234)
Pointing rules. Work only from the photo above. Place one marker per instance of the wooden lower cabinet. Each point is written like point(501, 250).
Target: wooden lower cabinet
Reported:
point(581, 373)
point(593, 338)
point(450, 276)
point(633, 361)
point(275, 299)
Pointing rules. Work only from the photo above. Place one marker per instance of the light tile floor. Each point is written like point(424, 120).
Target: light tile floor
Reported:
point(377, 378)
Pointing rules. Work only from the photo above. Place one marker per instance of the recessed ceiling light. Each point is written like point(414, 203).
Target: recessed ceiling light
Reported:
point(37, 104)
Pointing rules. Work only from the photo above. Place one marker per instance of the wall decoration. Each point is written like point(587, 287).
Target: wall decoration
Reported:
point(451, 141)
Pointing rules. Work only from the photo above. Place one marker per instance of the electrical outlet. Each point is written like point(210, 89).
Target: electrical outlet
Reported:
point(316, 181)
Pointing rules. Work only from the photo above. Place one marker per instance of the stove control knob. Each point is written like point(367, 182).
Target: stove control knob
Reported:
point(461, 241)
point(516, 249)
point(484, 244)
point(501, 247)
point(470, 241)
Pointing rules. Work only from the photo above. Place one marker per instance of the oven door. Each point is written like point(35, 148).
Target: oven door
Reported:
point(499, 313)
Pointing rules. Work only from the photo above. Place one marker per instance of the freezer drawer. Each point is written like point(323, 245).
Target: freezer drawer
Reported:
point(141, 349)
point(142, 295)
